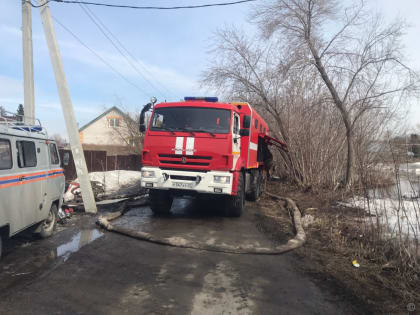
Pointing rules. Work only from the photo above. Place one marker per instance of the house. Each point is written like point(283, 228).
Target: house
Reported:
point(113, 131)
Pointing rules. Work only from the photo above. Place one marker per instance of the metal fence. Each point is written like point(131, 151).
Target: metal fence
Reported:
point(98, 161)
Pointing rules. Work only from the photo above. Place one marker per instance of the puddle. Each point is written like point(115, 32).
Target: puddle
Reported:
point(26, 258)
point(79, 240)
point(137, 218)
point(142, 218)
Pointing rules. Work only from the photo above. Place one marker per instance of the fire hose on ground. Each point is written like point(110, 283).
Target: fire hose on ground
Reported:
point(299, 239)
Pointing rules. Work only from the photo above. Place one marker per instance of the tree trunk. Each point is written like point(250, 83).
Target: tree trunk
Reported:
point(350, 158)
point(344, 114)
point(297, 175)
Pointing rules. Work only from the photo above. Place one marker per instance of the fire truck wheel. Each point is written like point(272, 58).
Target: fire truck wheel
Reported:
point(160, 202)
point(49, 224)
point(236, 204)
point(255, 191)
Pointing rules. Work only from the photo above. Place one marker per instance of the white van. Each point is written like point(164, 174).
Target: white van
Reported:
point(31, 179)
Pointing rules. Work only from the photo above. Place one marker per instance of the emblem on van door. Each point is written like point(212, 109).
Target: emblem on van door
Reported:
point(184, 160)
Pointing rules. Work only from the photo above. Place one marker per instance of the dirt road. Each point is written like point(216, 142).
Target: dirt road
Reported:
point(82, 270)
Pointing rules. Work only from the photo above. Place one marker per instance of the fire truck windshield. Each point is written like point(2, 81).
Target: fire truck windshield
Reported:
point(191, 119)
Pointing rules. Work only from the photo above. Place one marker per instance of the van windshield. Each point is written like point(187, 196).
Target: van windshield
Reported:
point(194, 119)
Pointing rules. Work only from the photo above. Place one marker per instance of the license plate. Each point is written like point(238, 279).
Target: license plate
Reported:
point(182, 185)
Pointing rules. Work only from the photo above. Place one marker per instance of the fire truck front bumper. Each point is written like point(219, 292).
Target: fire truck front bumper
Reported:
point(213, 182)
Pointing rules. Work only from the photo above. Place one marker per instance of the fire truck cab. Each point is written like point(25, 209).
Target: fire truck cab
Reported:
point(202, 146)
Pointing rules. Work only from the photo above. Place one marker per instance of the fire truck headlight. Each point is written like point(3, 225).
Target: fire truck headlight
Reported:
point(147, 174)
point(222, 179)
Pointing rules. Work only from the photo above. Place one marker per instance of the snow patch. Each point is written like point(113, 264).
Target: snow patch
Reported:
point(108, 184)
point(396, 207)
point(399, 216)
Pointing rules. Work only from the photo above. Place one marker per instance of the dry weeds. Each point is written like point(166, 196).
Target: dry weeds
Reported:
point(385, 282)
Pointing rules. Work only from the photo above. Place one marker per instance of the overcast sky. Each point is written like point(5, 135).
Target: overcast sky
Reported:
point(172, 45)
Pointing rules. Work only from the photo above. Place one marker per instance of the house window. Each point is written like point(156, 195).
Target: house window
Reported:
point(114, 122)
point(5, 154)
point(26, 153)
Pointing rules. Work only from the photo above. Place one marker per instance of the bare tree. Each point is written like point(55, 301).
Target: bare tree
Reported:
point(289, 96)
point(128, 133)
point(59, 140)
point(358, 56)
point(247, 69)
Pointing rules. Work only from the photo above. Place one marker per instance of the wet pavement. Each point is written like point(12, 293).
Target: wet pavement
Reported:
point(83, 270)
point(26, 257)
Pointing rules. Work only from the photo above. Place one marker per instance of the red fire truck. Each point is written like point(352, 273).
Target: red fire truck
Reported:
point(202, 146)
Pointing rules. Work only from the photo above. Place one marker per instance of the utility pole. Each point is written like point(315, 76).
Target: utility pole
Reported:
point(28, 64)
point(68, 112)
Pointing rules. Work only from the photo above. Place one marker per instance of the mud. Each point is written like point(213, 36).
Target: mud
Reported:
point(81, 270)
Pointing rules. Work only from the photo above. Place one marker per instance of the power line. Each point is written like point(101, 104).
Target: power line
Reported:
point(130, 54)
point(102, 27)
point(142, 7)
point(100, 58)
point(118, 49)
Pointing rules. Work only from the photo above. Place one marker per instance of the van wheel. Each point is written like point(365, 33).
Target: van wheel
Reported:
point(160, 201)
point(49, 224)
point(236, 204)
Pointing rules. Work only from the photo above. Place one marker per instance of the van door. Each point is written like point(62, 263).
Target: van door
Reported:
point(43, 165)
point(32, 177)
point(55, 183)
point(9, 189)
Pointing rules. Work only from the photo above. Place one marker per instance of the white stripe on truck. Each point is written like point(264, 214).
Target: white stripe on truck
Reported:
point(189, 148)
point(179, 145)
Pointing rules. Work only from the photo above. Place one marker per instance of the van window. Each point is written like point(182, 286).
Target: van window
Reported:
point(26, 153)
point(66, 158)
point(5, 155)
point(53, 154)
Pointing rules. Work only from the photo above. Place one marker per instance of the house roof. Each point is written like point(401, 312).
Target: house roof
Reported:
point(102, 115)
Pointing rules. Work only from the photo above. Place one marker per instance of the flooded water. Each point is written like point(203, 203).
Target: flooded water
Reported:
point(199, 221)
point(142, 218)
point(408, 185)
point(26, 257)
point(79, 240)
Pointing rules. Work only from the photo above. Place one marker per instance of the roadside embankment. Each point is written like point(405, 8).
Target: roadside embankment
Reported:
point(387, 279)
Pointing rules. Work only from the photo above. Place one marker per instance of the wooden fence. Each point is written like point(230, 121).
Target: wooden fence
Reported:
point(98, 161)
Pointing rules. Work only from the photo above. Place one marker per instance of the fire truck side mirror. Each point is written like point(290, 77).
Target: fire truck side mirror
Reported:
point(142, 127)
point(244, 132)
point(246, 123)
